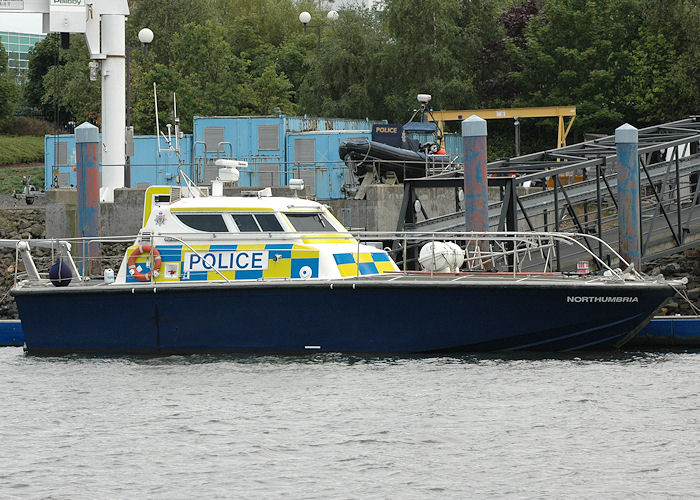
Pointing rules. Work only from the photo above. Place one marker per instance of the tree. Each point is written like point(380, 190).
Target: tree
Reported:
point(267, 34)
point(421, 56)
point(166, 18)
point(273, 90)
point(345, 77)
point(68, 84)
point(42, 56)
point(495, 64)
point(578, 52)
point(9, 92)
point(142, 105)
point(664, 65)
point(211, 80)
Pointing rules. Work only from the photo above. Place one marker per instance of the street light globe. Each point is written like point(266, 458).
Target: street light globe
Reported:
point(305, 17)
point(332, 15)
point(145, 35)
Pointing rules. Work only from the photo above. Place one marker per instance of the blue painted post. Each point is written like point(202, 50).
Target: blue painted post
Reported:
point(627, 168)
point(87, 140)
point(476, 189)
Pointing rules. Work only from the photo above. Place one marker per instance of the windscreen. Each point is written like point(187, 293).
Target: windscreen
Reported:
point(310, 223)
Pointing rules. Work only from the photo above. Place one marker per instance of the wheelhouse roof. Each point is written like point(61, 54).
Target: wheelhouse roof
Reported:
point(232, 203)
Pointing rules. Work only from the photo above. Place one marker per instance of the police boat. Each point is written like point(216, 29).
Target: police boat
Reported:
point(268, 274)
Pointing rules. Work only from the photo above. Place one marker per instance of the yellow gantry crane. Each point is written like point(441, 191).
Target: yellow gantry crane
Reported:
point(497, 114)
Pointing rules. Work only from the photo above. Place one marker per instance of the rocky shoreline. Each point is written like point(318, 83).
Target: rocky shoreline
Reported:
point(685, 264)
point(18, 220)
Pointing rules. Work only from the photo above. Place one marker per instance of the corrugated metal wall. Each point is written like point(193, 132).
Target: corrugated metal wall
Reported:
point(277, 148)
point(147, 165)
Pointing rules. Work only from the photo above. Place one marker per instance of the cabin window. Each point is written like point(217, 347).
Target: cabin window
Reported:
point(255, 223)
point(246, 223)
point(310, 222)
point(211, 223)
point(268, 222)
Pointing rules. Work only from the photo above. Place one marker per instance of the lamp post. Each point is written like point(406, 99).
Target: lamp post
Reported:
point(305, 17)
point(145, 37)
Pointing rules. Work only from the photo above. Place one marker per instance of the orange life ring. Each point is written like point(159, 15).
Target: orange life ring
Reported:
point(156, 262)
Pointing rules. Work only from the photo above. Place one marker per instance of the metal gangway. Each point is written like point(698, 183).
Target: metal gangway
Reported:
point(574, 189)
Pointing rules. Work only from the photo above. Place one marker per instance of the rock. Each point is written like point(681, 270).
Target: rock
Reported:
point(670, 268)
point(37, 231)
point(693, 293)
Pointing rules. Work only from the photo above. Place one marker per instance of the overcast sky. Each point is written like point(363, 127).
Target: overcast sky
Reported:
point(31, 23)
point(20, 23)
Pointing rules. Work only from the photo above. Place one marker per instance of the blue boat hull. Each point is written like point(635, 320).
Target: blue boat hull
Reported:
point(11, 333)
point(345, 316)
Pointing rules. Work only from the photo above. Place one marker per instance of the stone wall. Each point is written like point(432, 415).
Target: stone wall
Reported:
point(121, 218)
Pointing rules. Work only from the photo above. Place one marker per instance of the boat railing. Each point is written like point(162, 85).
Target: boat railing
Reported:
point(82, 256)
point(511, 252)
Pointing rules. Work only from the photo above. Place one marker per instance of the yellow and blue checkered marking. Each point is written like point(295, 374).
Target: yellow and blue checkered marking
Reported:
point(368, 263)
point(284, 261)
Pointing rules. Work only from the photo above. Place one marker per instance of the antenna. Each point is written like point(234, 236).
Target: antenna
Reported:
point(194, 190)
point(155, 99)
point(177, 123)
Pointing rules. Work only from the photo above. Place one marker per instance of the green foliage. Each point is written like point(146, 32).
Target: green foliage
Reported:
point(615, 60)
point(653, 83)
point(167, 19)
point(42, 56)
point(576, 52)
point(426, 42)
point(25, 125)
point(68, 84)
point(212, 81)
point(22, 149)
point(9, 92)
point(664, 71)
point(346, 76)
point(272, 91)
point(143, 109)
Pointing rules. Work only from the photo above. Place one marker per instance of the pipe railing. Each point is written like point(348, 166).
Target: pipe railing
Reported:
point(485, 251)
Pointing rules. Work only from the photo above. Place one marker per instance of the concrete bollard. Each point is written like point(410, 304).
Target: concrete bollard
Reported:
point(476, 189)
point(87, 140)
point(627, 142)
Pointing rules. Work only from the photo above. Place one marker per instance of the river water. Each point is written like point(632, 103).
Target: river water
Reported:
point(625, 424)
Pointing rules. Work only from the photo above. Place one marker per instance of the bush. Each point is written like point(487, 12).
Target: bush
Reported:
point(25, 125)
point(23, 149)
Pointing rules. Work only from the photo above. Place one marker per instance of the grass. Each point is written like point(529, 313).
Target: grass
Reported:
point(11, 178)
point(21, 149)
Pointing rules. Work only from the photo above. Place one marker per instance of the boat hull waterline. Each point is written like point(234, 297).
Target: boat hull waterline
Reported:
point(425, 315)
